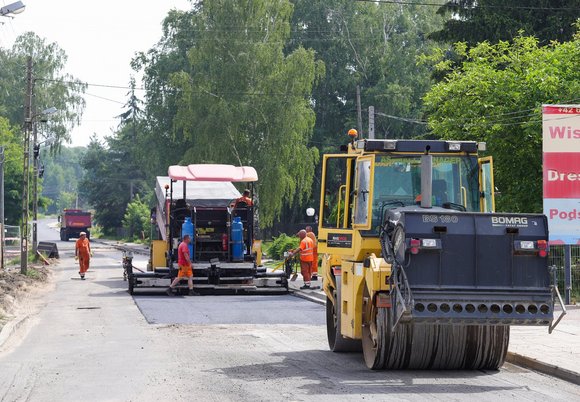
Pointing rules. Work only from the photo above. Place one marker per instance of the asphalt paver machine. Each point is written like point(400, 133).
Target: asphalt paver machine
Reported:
point(202, 201)
point(420, 273)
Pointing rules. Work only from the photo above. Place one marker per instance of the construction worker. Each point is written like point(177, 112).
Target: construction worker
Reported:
point(185, 268)
point(244, 199)
point(306, 251)
point(312, 236)
point(83, 254)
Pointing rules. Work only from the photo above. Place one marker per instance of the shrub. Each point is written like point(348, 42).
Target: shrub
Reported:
point(282, 244)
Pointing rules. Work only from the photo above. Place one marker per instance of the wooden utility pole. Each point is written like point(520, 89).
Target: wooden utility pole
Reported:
point(371, 122)
point(2, 230)
point(358, 113)
point(25, 200)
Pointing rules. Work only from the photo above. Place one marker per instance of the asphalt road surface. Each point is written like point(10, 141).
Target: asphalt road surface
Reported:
point(89, 341)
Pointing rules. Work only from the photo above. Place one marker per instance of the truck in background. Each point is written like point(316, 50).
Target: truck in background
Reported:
point(73, 222)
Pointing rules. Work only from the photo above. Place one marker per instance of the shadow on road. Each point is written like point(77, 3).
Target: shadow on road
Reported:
point(345, 373)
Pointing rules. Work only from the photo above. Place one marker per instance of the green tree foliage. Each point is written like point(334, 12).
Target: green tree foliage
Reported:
point(496, 96)
point(52, 87)
point(158, 137)
point(240, 99)
point(281, 244)
point(371, 45)
point(475, 21)
point(62, 174)
point(111, 179)
point(137, 219)
point(10, 139)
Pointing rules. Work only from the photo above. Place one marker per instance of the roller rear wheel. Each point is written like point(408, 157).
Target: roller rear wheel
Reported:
point(336, 341)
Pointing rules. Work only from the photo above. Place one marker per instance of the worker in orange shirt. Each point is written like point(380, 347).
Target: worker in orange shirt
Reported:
point(306, 251)
point(83, 254)
point(312, 236)
point(244, 199)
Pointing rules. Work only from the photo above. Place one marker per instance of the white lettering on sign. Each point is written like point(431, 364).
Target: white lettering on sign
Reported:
point(509, 221)
point(554, 175)
point(564, 132)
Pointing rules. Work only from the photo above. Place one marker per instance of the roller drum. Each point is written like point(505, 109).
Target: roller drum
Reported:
point(426, 346)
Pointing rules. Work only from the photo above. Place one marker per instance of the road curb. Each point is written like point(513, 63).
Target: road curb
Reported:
point(11, 327)
point(545, 368)
point(122, 246)
point(308, 296)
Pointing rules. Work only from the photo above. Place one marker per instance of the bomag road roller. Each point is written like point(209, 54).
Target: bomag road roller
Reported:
point(420, 273)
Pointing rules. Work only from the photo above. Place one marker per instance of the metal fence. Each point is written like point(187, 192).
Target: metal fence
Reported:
point(558, 259)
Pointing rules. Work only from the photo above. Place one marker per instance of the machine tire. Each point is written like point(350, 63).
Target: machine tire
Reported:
point(131, 284)
point(374, 320)
point(336, 341)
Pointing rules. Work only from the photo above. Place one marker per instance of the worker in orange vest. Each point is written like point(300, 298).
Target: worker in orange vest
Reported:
point(306, 251)
point(312, 236)
point(83, 254)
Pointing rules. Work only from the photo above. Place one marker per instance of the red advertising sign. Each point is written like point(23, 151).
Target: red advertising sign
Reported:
point(561, 175)
point(561, 146)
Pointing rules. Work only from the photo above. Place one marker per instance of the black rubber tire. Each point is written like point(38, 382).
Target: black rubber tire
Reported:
point(131, 284)
point(337, 342)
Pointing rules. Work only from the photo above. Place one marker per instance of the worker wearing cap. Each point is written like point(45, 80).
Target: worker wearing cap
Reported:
point(83, 254)
point(244, 199)
point(306, 251)
point(312, 236)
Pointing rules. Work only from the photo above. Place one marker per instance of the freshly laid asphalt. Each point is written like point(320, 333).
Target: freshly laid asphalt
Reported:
point(240, 309)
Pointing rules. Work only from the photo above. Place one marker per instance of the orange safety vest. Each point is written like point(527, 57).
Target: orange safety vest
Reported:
point(307, 249)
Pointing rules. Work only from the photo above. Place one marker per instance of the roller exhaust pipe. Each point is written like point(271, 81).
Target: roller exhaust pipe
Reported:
point(426, 180)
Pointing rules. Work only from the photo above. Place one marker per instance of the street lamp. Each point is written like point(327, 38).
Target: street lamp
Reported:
point(36, 154)
point(13, 8)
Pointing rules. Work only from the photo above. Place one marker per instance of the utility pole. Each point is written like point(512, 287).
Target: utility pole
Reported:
point(35, 154)
point(2, 230)
point(358, 113)
point(371, 122)
point(27, 127)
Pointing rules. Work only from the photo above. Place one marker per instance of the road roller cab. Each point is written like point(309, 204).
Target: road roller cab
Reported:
point(429, 276)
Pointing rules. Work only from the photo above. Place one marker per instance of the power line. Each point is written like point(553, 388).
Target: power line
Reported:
point(453, 6)
point(90, 84)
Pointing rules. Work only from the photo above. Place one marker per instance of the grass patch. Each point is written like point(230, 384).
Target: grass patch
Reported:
point(33, 274)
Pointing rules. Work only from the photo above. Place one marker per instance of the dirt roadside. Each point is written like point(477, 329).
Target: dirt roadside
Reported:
point(15, 288)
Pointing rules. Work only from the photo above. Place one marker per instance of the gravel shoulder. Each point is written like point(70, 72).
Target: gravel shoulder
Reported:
point(16, 288)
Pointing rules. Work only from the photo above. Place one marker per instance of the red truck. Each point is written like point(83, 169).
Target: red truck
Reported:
point(73, 222)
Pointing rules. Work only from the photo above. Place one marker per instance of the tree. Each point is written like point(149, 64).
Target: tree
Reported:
point(158, 135)
point(137, 218)
point(474, 21)
point(52, 87)
point(111, 180)
point(62, 174)
point(10, 139)
point(495, 96)
point(243, 101)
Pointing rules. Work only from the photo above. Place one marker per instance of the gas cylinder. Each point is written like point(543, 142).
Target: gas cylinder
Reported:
point(225, 242)
point(237, 239)
point(188, 229)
